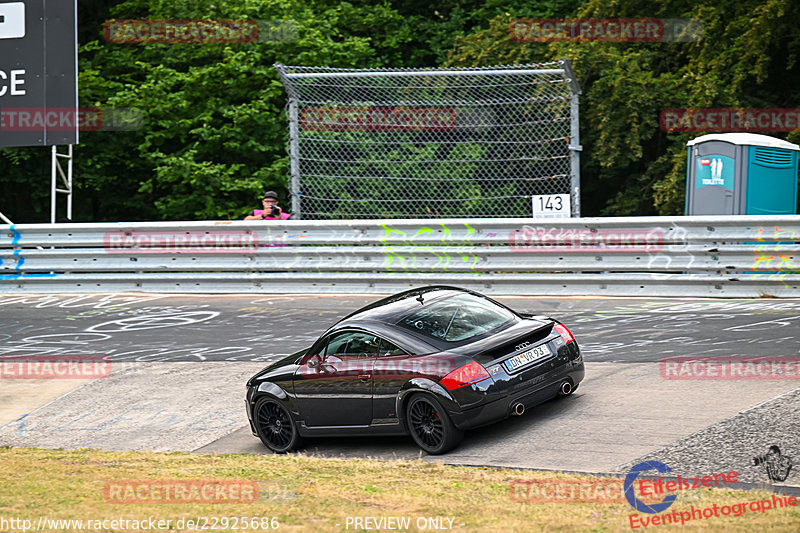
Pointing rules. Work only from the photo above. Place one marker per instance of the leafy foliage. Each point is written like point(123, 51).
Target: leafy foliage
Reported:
point(747, 58)
point(214, 129)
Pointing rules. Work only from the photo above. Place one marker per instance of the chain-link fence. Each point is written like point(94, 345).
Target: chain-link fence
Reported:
point(408, 143)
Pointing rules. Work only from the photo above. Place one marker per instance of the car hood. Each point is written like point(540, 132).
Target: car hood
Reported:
point(288, 360)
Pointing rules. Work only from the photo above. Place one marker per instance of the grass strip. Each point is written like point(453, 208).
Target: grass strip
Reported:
point(312, 494)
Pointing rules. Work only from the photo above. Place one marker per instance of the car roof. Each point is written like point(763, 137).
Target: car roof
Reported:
point(391, 309)
point(382, 317)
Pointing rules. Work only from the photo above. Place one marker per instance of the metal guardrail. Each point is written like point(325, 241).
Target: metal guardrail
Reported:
point(736, 256)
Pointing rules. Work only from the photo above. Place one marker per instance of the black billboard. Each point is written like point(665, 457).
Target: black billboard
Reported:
point(38, 73)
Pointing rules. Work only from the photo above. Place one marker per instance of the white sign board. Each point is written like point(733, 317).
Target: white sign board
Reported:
point(552, 206)
point(12, 20)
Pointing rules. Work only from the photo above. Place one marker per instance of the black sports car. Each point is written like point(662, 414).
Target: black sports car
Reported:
point(429, 362)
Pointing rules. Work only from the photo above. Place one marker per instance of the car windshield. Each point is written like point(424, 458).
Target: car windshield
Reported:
point(458, 318)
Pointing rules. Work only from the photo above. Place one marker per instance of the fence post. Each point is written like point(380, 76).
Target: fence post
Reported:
point(294, 159)
point(574, 139)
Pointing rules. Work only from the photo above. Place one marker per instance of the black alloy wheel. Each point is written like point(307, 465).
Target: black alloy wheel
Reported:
point(275, 427)
point(430, 426)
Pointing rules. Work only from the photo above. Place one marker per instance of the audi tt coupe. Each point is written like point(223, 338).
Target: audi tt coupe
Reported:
point(428, 362)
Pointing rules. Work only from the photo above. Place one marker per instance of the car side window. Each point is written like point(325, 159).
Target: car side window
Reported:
point(352, 343)
point(387, 348)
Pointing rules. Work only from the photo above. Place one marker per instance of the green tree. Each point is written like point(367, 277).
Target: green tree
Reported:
point(629, 166)
point(214, 131)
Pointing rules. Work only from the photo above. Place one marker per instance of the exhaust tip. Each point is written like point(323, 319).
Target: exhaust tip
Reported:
point(518, 409)
point(566, 388)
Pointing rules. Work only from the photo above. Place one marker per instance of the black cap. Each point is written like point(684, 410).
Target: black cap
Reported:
point(271, 194)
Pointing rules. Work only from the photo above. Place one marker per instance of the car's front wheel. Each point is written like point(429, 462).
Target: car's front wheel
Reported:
point(430, 425)
point(275, 427)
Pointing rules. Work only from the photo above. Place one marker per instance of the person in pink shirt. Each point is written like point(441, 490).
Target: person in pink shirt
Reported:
point(271, 211)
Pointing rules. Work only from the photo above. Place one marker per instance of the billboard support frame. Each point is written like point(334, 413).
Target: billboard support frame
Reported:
point(39, 45)
point(56, 170)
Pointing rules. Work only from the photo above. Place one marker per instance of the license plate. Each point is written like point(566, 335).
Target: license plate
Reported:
point(528, 357)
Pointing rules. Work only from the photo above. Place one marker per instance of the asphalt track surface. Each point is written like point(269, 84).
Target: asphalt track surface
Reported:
point(148, 328)
point(180, 363)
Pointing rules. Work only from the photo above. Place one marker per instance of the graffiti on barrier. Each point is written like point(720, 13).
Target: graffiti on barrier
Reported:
point(776, 251)
point(410, 249)
point(19, 260)
point(660, 246)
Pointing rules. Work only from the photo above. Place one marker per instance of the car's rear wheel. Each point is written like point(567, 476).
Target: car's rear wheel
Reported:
point(275, 427)
point(430, 425)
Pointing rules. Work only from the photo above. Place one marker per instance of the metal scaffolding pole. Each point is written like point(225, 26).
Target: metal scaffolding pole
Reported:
point(66, 179)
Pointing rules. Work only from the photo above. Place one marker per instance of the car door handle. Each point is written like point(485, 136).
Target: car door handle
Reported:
point(364, 377)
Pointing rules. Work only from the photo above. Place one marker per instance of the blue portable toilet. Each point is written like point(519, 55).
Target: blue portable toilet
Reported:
point(741, 174)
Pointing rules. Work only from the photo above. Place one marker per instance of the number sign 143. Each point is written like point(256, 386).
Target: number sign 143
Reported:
point(551, 206)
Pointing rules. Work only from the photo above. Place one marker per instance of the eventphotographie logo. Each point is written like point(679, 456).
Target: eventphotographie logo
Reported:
point(630, 494)
point(655, 514)
point(777, 465)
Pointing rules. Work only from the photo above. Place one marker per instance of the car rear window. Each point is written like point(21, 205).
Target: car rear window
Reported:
point(458, 318)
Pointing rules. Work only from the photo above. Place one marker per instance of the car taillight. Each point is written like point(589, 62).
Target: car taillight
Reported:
point(465, 375)
point(565, 333)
